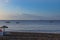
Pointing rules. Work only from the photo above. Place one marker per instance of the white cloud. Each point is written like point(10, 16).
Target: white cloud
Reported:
point(3, 4)
point(4, 1)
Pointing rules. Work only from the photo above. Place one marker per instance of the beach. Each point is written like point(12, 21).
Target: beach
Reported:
point(30, 36)
point(31, 30)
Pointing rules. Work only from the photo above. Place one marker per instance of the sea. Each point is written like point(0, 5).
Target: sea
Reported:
point(45, 26)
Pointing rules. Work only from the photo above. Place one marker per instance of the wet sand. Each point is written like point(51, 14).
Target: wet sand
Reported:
point(30, 36)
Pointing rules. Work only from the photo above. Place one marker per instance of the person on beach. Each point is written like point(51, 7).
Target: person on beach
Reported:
point(1, 32)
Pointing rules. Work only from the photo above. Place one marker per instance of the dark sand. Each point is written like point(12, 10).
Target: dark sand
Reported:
point(30, 36)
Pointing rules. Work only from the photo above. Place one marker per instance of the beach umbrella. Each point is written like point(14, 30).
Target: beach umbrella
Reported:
point(3, 27)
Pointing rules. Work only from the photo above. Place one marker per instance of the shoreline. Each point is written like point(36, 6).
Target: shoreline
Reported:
point(31, 36)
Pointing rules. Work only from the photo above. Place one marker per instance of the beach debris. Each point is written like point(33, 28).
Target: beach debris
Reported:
point(3, 27)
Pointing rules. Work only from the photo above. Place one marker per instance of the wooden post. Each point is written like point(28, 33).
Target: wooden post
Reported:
point(3, 31)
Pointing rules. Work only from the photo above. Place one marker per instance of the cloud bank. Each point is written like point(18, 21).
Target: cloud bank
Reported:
point(27, 17)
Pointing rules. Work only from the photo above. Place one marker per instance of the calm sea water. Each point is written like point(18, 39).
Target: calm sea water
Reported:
point(32, 25)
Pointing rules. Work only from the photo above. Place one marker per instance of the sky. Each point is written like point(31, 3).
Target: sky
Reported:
point(29, 9)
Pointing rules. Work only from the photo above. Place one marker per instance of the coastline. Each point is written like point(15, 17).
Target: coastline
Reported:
point(30, 36)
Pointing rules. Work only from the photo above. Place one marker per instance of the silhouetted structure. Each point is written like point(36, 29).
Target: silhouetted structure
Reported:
point(3, 27)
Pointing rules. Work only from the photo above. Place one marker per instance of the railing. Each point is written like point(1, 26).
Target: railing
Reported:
point(30, 36)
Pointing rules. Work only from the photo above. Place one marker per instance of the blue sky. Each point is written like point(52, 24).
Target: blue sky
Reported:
point(18, 9)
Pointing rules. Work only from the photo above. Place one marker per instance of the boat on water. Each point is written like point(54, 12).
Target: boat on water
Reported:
point(8, 22)
point(51, 21)
point(17, 22)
